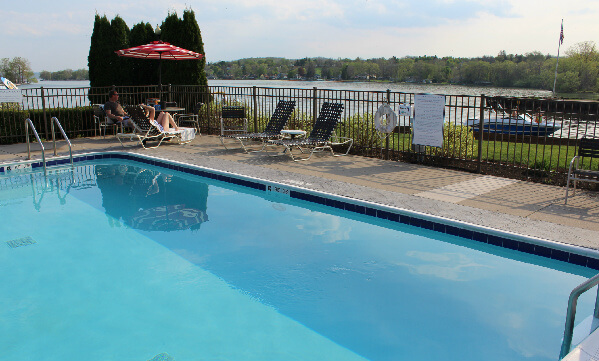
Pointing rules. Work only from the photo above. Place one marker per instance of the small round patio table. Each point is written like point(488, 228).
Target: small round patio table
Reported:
point(293, 133)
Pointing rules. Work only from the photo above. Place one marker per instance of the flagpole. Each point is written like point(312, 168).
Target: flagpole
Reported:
point(559, 43)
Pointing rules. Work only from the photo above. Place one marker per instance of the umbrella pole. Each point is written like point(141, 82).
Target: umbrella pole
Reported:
point(160, 77)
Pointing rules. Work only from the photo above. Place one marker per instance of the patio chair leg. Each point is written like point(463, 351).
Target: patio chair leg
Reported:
point(285, 151)
point(223, 142)
point(302, 151)
point(243, 146)
point(350, 141)
point(263, 149)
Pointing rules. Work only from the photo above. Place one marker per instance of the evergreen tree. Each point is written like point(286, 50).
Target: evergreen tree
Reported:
point(193, 41)
point(106, 68)
point(171, 33)
point(184, 33)
point(143, 71)
point(99, 49)
point(120, 66)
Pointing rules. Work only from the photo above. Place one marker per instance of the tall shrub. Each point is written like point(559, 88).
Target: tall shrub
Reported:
point(106, 68)
point(98, 50)
point(186, 34)
point(119, 66)
point(143, 71)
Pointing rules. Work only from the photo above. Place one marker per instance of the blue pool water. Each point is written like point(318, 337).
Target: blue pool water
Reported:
point(119, 261)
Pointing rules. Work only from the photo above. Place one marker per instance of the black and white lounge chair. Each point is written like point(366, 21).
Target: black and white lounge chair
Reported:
point(321, 137)
point(277, 122)
point(147, 130)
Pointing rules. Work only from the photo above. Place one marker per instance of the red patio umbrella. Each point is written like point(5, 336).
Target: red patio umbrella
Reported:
point(159, 50)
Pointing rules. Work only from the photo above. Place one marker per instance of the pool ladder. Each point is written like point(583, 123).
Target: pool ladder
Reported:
point(29, 123)
point(571, 314)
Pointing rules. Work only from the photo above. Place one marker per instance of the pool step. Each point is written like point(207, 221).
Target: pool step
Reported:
point(586, 337)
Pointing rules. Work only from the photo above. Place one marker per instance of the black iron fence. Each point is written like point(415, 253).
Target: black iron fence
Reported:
point(536, 156)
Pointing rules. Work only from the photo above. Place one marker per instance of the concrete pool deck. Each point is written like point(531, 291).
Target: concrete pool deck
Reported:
point(530, 209)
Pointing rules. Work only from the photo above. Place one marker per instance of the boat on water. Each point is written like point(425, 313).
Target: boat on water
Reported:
point(7, 84)
point(515, 125)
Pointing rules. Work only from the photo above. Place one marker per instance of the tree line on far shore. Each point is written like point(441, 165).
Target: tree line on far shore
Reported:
point(67, 74)
point(18, 70)
point(578, 70)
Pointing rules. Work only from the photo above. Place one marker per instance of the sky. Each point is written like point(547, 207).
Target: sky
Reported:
point(55, 35)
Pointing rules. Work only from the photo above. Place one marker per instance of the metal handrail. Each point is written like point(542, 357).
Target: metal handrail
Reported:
point(28, 122)
point(571, 314)
point(55, 120)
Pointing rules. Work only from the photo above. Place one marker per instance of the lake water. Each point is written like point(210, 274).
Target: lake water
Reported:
point(339, 85)
point(76, 95)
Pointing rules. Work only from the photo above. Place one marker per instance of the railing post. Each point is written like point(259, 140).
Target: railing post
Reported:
point(255, 105)
point(388, 135)
point(596, 312)
point(53, 135)
point(571, 313)
point(170, 99)
point(481, 122)
point(44, 111)
point(27, 140)
point(314, 104)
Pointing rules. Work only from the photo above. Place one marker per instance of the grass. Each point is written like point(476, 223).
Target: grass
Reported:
point(533, 156)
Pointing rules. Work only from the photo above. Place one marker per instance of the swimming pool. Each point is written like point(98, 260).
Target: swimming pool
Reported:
point(120, 260)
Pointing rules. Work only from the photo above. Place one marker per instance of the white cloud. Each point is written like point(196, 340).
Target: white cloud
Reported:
point(234, 29)
point(448, 266)
point(325, 227)
point(40, 24)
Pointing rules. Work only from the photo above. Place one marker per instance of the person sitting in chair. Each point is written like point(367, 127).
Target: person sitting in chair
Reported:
point(117, 114)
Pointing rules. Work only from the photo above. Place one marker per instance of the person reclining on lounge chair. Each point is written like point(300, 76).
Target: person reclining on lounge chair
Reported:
point(166, 121)
point(150, 130)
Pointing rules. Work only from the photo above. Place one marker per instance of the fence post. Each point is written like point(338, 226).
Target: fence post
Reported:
point(481, 122)
point(44, 112)
point(169, 93)
point(388, 135)
point(314, 104)
point(255, 104)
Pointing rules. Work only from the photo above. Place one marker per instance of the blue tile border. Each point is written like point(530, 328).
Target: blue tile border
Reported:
point(388, 215)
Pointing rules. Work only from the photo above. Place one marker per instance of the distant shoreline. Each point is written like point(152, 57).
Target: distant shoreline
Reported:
point(357, 85)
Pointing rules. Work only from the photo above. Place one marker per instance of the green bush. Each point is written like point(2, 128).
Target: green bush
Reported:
point(76, 122)
point(360, 127)
point(458, 142)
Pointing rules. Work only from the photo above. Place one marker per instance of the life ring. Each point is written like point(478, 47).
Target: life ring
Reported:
point(383, 110)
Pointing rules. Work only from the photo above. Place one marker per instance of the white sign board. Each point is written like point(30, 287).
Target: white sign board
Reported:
point(11, 96)
point(404, 110)
point(429, 114)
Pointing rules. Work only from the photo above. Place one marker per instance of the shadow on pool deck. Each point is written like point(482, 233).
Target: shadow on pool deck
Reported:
point(517, 206)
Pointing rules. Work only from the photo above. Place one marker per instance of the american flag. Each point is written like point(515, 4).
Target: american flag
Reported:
point(561, 34)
